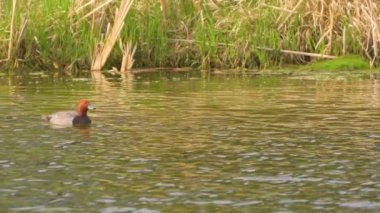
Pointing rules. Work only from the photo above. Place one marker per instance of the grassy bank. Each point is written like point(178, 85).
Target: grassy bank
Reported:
point(63, 35)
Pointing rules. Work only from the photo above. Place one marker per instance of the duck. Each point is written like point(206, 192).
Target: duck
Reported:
point(72, 118)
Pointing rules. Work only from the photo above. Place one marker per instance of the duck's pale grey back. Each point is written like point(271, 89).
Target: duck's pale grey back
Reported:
point(61, 118)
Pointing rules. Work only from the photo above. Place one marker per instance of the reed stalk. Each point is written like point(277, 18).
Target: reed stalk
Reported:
point(128, 56)
point(164, 8)
point(11, 30)
point(103, 50)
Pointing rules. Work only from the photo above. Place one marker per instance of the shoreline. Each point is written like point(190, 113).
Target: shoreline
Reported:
point(189, 33)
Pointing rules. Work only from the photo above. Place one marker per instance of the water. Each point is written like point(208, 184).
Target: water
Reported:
point(188, 142)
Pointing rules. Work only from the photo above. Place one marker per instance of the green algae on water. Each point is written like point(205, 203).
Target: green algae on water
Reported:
point(340, 64)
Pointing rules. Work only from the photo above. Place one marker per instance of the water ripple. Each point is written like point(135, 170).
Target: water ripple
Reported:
point(279, 179)
point(257, 144)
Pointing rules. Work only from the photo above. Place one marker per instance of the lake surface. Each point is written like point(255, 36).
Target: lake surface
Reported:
point(192, 142)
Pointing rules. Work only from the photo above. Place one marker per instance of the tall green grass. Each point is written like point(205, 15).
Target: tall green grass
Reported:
point(202, 34)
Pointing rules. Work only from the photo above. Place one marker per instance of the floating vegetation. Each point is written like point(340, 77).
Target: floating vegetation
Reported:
point(346, 63)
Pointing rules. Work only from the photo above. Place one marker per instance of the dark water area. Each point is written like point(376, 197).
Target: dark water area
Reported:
point(191, 142)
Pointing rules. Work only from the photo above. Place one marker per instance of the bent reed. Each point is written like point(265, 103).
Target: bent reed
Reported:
point(71, 34)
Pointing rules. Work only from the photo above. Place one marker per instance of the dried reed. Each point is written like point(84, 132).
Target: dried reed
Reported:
point(128, 56)
point(103, 51)
point(11, 30)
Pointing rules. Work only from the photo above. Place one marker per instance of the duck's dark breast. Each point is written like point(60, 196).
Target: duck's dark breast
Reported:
point(81, 120)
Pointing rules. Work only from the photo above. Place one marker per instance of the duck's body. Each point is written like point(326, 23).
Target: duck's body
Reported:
point(72, 118)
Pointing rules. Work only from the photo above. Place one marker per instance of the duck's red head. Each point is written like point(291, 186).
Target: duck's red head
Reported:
point(83, 107)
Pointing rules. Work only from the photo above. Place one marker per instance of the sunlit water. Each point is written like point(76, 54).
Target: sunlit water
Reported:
point(192, 143)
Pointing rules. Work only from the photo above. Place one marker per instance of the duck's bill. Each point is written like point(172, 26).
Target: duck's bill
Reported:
point(91, 107)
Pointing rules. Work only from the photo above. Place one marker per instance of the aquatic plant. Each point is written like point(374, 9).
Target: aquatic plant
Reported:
point(64, 35)
point(345, 63)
